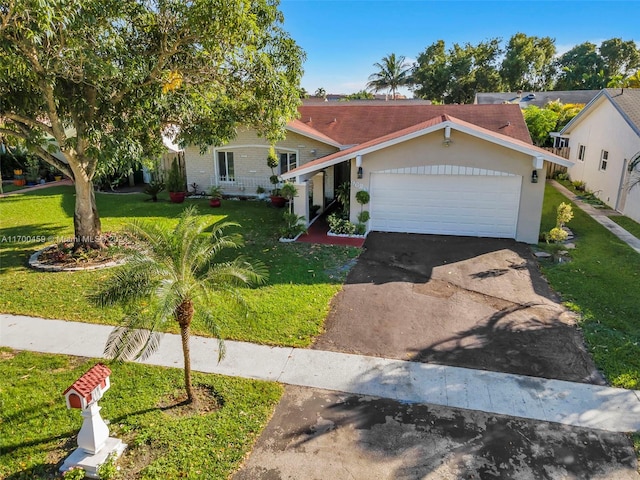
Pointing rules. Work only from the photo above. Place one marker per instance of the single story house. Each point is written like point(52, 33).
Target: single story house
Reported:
point(604, 141)
point(443, 169)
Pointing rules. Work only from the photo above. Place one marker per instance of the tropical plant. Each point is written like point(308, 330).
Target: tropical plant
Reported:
point(289, 191)
point(216, 192)
point(101, 80)
point(293, 226)
point(177, 275)
point(320, 93)
point(175, 179)
point(393, 72)
point(154, 187)
point(343, 194)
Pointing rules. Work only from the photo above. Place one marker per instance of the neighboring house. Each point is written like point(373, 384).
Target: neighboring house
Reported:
point(443, 169)
point(604, 138)
point(539, 99)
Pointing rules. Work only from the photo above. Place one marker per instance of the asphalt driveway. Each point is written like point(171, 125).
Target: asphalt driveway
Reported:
point(461, 301)
point(476, 303)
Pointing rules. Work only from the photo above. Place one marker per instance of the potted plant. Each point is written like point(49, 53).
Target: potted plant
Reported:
point(215, 192)
point(262, 193)
point(176, 183)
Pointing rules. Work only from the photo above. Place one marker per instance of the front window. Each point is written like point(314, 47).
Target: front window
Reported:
point(604, 158)
point(288, 161)
point(225, 167)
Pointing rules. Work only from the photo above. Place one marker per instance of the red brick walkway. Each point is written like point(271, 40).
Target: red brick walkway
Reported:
point(317, 233)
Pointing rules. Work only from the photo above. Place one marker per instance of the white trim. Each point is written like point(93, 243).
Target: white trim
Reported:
point(504, 142)
point(446, 170)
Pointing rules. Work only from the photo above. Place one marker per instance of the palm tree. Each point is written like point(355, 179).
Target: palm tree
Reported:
point(392, 73)
point(176, 276)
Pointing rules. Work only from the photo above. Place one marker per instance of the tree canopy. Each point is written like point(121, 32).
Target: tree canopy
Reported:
point(102, 79)
point(457, 73)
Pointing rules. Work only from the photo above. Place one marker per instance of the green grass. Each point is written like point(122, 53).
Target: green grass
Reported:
point(10, 187)
point(37, 431)
point(289, 310)
point(628, 224)
point(599, 283)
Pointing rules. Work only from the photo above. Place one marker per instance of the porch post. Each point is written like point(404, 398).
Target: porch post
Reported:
point(301, 201)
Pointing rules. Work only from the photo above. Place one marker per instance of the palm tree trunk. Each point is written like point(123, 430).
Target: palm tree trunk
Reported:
point(186, 351)
point(184, 316)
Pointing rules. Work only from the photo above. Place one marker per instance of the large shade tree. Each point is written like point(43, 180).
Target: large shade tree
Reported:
point(393, 72)
point(102, 79)
point(528, 63)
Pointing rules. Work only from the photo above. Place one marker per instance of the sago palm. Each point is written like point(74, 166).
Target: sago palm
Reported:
point(176, 276)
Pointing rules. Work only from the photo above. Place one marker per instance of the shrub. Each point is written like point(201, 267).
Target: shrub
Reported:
point(175, 179)
point(339, 225)
point(562, 176)
point(363, 197)
point(579, 185)
point(363, 217)
point(361, 229)
point(558, 234)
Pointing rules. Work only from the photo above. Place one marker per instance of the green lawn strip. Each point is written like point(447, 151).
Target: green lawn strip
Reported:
point(289, 310)
point(628, 224)
point(598, 283)
point(37, 430)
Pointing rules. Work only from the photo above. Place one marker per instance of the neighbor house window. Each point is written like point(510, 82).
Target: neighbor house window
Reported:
point(226, 170)
point(604, 158)
point(581, 150)
point(288, 161)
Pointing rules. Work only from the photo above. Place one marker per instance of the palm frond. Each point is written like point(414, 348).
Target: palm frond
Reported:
point(135, 340)
point(210, 322)
point(129, 284)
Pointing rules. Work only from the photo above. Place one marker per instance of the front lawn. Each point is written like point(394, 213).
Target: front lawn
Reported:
point(164, 440)
point(289, 310)
point(601, 284)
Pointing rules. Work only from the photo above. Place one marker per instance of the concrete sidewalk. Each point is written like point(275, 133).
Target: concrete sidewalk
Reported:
point(576, 404)
point(599, 217)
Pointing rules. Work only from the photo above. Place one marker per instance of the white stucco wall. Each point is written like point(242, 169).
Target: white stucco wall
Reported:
point(603, 128)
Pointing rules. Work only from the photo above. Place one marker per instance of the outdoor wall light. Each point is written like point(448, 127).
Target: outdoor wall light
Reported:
point(534, 176)
point(359, 172)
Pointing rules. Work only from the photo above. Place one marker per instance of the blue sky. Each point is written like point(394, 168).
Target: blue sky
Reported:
point(343, 38)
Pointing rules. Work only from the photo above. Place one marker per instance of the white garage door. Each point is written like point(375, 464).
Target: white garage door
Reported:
point(467, 205)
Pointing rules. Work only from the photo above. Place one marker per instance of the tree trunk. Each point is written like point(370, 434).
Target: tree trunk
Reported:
point(184, 316)
point(86, 221)
point(186, 351)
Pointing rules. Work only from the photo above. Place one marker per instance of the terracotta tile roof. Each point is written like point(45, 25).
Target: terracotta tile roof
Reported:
point(352, 123)
point(433, 122)
point(298, 126)
point(90, 380)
